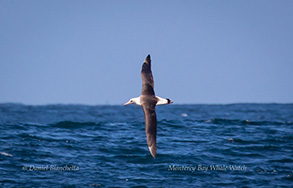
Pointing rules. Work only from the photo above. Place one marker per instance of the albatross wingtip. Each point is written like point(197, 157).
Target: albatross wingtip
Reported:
point(148, 58)
point(153, 151)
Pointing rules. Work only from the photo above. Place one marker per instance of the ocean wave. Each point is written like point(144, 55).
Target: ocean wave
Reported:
point(219, 121)
point(73, 124)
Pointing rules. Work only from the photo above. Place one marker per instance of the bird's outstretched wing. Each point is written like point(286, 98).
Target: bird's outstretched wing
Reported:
point(148, 102)
point(147, 77)
point(151, 126)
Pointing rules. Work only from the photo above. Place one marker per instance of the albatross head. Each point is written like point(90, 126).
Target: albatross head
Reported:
point(134, 101)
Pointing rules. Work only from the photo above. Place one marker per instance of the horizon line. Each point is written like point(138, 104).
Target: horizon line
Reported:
point(115, 104)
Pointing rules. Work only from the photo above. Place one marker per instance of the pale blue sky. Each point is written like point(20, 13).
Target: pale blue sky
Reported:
point(91, 52)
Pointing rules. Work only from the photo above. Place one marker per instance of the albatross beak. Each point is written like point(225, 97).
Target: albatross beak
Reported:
point(127, 103)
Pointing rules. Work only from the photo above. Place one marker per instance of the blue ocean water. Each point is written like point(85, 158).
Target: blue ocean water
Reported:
point(237, 145)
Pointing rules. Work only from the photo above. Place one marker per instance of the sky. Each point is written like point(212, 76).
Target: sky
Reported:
point(91, 52)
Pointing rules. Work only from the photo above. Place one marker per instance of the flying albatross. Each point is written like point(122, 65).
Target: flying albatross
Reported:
point(148, 100)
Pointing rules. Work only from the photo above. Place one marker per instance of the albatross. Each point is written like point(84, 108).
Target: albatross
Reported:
point(148, 101)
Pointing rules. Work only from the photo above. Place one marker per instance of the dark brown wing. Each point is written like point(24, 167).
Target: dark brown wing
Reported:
point(147, 77)
point(148, 107)
point(148, 101)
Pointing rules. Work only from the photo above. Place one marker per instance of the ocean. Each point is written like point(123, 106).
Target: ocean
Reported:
point(233, 145)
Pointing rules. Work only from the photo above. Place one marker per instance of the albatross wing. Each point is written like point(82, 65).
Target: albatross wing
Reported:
point(148, 102)
point(151, 127)
point(147, 77)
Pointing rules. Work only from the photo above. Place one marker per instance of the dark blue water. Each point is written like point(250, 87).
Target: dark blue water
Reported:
point(238, 145)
